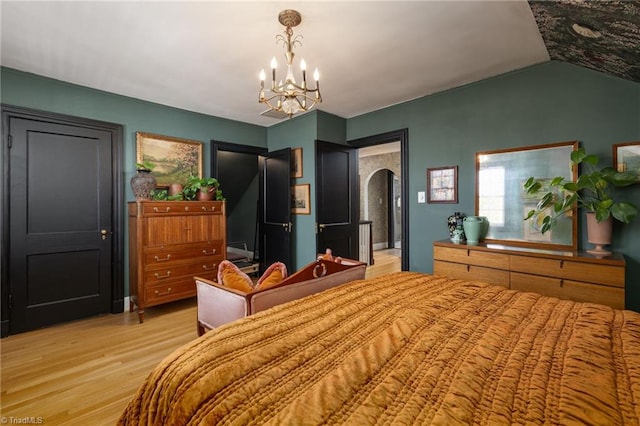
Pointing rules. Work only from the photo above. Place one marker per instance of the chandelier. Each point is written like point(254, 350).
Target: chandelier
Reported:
point(288, 97)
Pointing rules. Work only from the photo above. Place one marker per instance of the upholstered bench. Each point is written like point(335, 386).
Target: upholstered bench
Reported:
point(219, 304)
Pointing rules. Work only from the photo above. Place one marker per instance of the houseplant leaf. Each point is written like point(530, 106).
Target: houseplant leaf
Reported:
point(624, 212)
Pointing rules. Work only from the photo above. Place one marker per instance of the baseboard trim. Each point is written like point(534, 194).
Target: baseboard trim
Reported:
point(380, 246)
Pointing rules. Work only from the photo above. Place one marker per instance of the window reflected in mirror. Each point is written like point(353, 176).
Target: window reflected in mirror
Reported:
point(501, 198)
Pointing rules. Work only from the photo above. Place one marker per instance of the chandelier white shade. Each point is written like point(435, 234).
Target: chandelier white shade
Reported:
point(287, 96)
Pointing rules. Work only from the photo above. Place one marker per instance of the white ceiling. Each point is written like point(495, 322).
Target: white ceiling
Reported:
point(206, 56)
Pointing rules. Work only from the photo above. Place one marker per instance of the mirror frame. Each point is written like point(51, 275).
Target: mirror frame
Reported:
point(532, 243)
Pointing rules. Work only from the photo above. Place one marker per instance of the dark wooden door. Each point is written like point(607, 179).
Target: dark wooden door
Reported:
point(337, 199)
point(61, 221)
point(276, 227)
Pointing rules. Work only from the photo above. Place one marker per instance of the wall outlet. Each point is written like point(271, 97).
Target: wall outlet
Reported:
point(421, 197)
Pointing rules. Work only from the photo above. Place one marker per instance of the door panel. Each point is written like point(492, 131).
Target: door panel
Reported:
point(60, 205)
point(337, 199)
point(277, 209)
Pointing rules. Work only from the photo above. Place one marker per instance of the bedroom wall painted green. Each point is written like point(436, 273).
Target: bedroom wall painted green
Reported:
point(552, 102)
point(45, 94)
point(302, 132)
point(299, 132)
point(546, 103)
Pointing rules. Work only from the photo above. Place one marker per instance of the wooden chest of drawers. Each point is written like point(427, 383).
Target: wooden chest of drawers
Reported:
point(567, 275)
point(169, 243)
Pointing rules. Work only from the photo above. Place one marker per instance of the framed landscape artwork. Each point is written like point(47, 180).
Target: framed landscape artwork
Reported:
point(626, 157)
point(301, 199)
point(173, 159)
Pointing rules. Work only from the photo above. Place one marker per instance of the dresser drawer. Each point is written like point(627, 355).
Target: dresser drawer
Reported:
point(181, 208)
point(166, 272)
point(567, 269)
point(592, 273)
point(569, 289)
point(472, 257)
point(169, 230)
point(174, 289)
point(471, 273)
point(175, 252)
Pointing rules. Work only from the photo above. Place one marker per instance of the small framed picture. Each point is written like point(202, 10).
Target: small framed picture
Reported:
point(301, 199)
point(442, 184)
point(296, 163)
point(626, 157)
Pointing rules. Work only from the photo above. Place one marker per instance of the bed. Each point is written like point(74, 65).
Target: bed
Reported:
point(405, 348)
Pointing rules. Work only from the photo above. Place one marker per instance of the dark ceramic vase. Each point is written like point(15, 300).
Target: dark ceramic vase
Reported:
point(142, 183)
point(455, 223)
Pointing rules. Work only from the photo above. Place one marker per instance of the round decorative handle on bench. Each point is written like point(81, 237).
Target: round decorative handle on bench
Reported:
point(321, 266)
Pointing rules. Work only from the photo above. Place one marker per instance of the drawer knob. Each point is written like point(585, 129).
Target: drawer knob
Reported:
point(207, 268)
point(157, 210)
point(158, 293)
point(209, 253)
point(164, 259)
point(167, 275)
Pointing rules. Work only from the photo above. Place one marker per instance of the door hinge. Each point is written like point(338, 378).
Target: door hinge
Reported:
point(10, 301)
point(10, 142)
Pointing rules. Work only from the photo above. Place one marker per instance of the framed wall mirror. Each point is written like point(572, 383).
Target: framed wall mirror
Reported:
point(501, 198)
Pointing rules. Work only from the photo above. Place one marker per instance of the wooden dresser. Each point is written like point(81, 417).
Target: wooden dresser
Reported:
point(169, 243)
point(575, 276)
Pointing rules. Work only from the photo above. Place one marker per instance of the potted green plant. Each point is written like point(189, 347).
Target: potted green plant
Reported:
point(591, 192)
point(202, 189)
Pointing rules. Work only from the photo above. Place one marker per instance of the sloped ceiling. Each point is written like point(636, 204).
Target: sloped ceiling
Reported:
point(205, 56)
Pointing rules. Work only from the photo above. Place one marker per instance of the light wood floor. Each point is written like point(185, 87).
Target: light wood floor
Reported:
point(85, 372)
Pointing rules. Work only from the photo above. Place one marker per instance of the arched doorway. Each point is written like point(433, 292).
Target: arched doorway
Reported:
point(381, 205)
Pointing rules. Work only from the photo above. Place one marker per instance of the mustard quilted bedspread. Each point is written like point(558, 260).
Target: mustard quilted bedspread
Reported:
point(405, 348)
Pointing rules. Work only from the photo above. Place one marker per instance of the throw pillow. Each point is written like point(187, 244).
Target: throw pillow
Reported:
point(272, 276)
point(229, 275)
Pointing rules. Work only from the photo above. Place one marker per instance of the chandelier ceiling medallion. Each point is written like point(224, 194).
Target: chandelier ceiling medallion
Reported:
point(288, 97)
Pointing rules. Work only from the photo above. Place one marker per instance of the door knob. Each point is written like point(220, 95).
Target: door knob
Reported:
point(104, 233)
